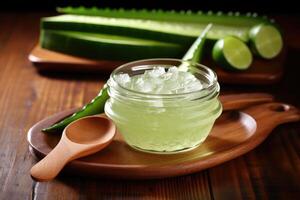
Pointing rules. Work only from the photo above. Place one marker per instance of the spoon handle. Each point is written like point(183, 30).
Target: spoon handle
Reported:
point(52, 164)
point(238, 101)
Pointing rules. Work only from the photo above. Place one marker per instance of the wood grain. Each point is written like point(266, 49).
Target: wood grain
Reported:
point(271, 171)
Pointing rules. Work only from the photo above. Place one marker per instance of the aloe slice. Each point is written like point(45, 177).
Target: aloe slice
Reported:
point(266, 40)
point(232, 53)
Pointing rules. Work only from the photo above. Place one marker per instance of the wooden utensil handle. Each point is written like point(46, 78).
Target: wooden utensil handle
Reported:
point(273, 114)
point(239, 101)
point(49, 167)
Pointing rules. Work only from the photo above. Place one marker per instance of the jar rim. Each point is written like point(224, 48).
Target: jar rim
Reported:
point(212, 83)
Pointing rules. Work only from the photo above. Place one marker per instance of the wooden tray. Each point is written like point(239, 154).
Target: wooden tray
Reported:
point(261, 71)
point(234, 134)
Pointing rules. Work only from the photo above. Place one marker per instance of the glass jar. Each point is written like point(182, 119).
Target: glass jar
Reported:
point(164, 123)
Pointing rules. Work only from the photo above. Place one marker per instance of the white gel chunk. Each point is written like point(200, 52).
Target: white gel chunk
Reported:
point(160, 80)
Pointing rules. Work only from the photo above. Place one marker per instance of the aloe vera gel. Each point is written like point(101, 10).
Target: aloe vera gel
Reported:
point(160, 109)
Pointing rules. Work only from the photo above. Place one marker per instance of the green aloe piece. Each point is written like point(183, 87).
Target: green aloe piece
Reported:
point(230, 18)
point(118, 34)
point(196, 51)
point(96, 106)
point(108, 47)
point(177, 27)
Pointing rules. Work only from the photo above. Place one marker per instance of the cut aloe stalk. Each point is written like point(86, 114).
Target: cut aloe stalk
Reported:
point(102, 46)
point(196, 51)
point(96, 106)
point(265, 40)
point(230, 18)
point(177, 28)
point(232, 53)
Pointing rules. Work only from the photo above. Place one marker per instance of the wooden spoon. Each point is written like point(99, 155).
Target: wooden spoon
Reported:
point(80, 138)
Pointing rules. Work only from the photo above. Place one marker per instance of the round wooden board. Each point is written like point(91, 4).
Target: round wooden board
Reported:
point(234, 134)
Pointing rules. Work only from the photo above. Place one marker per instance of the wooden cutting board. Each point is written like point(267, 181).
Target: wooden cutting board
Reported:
point(234, 133)
point(261, 72)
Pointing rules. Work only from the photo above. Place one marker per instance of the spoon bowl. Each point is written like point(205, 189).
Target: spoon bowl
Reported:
point(91, 126)
point(80, 138)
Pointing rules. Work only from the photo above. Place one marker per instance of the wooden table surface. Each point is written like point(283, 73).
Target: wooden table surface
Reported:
point(271, 171)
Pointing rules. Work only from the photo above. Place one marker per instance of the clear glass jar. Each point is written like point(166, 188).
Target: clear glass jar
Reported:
point(164, 123)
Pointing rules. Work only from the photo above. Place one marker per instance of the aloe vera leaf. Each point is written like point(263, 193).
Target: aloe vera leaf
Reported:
point(230, 18)
point(183, 33)
point(96, 106)
point(110, 47)
point(196, 51)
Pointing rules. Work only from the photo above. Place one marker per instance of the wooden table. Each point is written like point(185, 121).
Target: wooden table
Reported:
point(270, 171)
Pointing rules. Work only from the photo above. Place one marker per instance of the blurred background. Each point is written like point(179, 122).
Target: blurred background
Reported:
point(260, 6)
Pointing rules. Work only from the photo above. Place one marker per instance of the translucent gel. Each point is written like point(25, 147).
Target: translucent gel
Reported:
point(163, 125)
